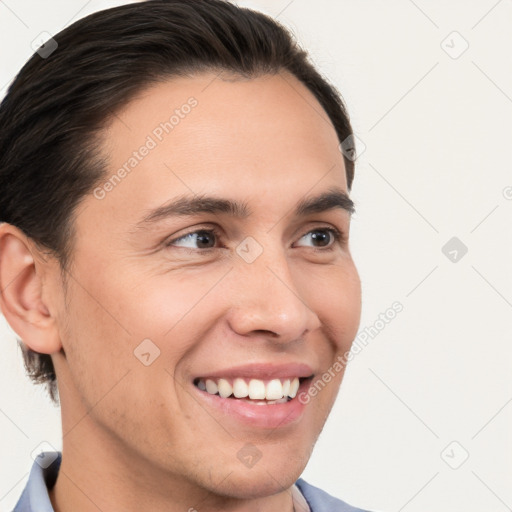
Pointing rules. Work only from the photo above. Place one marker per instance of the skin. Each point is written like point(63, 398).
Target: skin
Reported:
point(133, 437)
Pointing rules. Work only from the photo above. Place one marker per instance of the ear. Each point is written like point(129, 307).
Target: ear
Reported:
point(21, 292)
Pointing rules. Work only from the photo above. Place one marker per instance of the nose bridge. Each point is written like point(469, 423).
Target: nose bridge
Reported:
point(266, 294)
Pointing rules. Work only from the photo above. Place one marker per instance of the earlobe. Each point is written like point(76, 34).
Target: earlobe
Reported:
point(21, 297)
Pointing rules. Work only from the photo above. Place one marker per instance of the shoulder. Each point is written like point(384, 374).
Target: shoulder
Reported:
point(320, 501)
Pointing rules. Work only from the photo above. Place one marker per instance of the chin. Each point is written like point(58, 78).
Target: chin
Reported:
point(263, 479)
point(246, 485)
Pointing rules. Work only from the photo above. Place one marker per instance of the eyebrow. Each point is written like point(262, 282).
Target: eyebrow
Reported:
point(334, 198)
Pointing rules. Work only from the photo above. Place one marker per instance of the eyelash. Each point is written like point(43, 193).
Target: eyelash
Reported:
point(338, 236)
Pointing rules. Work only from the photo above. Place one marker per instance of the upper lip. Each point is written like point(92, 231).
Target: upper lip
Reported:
point(263, 371)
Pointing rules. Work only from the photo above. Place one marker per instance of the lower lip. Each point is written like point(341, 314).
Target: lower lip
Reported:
point(264, 416)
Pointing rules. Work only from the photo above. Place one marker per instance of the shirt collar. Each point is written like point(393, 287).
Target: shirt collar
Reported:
point(299, 502)
point(42, 477)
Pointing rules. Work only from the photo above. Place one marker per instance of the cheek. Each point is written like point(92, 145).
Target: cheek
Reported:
point(96, 345)
point(111, 317)
point(158, 303)
point(338, 304)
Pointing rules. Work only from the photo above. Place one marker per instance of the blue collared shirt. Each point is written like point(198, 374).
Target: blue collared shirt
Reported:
point(35, 496)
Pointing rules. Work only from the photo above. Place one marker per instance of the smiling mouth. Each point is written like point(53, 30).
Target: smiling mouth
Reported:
point(256, 391)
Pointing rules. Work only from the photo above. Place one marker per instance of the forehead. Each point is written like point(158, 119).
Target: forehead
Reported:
point(266, 137)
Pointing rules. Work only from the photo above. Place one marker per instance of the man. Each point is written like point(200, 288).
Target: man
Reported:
point(174, 257)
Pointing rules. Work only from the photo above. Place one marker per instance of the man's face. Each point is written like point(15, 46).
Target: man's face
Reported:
point(269, 296)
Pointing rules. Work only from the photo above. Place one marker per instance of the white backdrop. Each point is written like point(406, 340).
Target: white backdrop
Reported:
point(424, 418)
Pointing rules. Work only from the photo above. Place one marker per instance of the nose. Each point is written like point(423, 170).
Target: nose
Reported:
point(267, 301)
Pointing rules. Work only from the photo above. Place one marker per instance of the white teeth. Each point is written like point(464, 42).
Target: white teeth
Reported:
point(256, 389)
point(240, 388)
point(211, 387)
point(294, 387)
point(286, 387)
point(274, 390)
point(266, 402)
point(225, 388)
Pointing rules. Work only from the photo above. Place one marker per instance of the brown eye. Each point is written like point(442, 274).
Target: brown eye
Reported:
point(204, 238)
point(323, 236)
